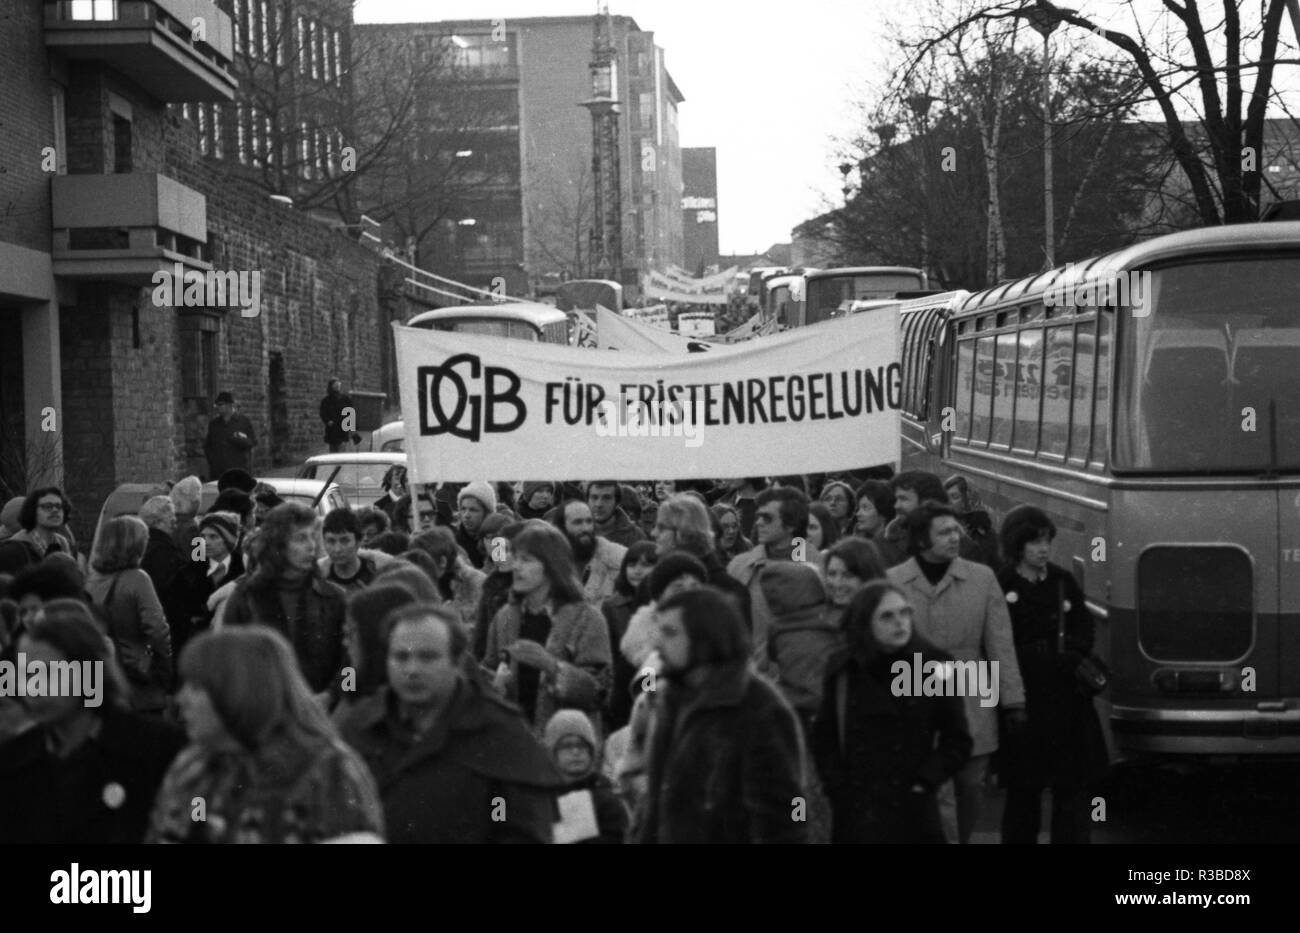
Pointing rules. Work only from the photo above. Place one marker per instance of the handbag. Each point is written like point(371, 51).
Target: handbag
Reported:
point(1091, 675)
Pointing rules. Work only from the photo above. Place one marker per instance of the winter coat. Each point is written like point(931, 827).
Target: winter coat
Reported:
point(469, 544)
point(622, 530)
point(371, 562)
point(579, 639)
point(223, 450)
point(443, 787)
point(281, 795)
point(331, 413)
point(494, 594)
point(179, 583)
point(100, 794)
point(601, 572)
point(803, 636)
point(872, 747)
point(966, 615)
point(22, 550)
point(466, 593)
point(139, 631)
point(1062, 744)
point(725, 764)
point(617, 611)
point(317, 637)
point(746, 570)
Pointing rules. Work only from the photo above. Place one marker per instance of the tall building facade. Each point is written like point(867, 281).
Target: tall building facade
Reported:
point(700, 208)
point(108, 361)
point(531, 217)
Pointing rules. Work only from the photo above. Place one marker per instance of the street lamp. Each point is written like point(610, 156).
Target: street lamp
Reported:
point(1045, 22)
point(845, 168)
point(919, 104)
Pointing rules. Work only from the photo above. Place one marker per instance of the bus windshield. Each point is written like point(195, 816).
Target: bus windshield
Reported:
point(517, 330)
point(832, 296)
point(1209, 377)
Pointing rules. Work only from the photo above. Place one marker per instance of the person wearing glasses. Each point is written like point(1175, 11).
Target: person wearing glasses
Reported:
point(782, 516)
point(42, 518)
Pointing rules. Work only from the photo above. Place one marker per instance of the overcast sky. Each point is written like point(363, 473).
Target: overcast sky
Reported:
point(771, 85)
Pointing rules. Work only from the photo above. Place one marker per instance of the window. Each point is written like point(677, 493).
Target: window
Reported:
point(239, 27)
point(982, 404)
point(203, 129)
point(277, 36)
point(302, 46)
point(313, 40)
point(1030, 389)
point(965, 386)
point(327, 53)
point(121, 144)
point(1058, 370)
point(269, 143)
point(218, 117)
point(338, 54)
point(1085, 356)
point(1004, 389)
point(264, 48)
point(304, 150)
point(99, 10)
point(1101, 410)
point(646, 110)
point(198, 339)
point(241, 134)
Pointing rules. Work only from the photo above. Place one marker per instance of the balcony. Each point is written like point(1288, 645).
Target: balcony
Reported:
point(124, 228)
point(151, 42)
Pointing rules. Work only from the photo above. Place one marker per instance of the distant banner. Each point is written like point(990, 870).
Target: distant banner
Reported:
point(696, 324)
point(655, 316)
point(661, 287)
point(615, 332)
point(810, 400)
point(707, 283)
point(584, 330)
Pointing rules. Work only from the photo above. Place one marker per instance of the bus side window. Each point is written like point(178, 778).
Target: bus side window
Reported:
point(965, 384)
point(1101, 409)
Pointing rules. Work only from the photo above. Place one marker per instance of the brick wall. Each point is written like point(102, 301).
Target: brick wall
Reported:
point(26, 126)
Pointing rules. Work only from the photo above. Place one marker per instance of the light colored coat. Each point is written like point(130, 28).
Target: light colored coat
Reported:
point(966, 616)
point(602, 570)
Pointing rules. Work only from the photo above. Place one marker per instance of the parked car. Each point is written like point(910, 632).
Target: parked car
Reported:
point(305, 491)
point(389, 438)
point(360, 475)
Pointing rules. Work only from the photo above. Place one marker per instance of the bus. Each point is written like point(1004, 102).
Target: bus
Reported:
point(1149, 401)
point(587, 293)
point(783, 299)
point(514, 320)
point(831, 292)
point(517, 320)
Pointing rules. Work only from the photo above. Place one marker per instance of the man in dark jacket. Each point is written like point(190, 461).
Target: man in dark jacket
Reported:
point(339, 415)
point(726, 755)
point(230, 438)
point(177, 579)
point(610, 519)
point(454, 762)
point(288, 593)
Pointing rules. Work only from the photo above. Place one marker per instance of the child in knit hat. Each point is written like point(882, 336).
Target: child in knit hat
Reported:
point(570, 739)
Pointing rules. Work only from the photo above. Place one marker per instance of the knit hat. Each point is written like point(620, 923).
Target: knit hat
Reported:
point(481, 491)
point(9, 517)
point(567, 722)
point(792, 587)
point(526, 497)
point(186, 495)
point(225, 524)
point(236, 478)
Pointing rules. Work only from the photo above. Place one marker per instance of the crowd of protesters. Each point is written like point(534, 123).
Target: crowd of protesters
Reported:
point(547, 661)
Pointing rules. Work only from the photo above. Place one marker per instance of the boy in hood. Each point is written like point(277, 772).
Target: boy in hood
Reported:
point(570, 739)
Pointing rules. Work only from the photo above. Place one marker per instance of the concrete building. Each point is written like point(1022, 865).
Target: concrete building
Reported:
point(531, 217)
point(105, 377)
point(700, 208)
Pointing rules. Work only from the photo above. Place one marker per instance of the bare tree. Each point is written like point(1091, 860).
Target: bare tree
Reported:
point(562, 219)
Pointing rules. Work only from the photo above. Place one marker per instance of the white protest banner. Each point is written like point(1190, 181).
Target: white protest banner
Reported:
point(615, 332)
point(661, 287)
point(696, 324)
point(746, 330)
point(810, 400)
point(655, 316)
point(708, 283)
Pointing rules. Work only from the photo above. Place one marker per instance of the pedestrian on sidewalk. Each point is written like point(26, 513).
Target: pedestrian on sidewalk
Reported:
point(230, 439)
point(339, 415)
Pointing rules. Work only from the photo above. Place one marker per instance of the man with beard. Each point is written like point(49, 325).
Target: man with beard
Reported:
point(598, 559)
point(725, 762)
